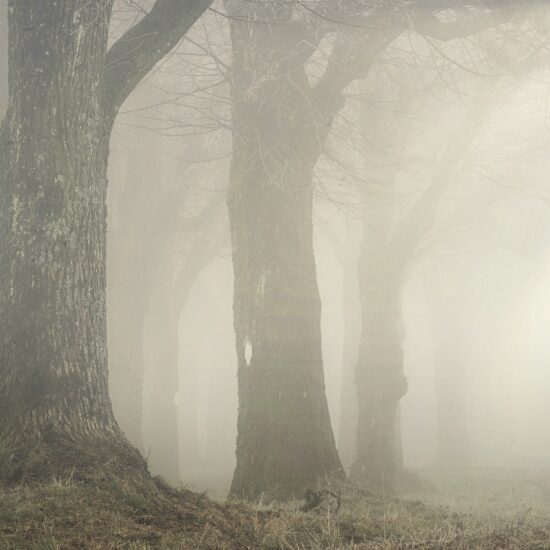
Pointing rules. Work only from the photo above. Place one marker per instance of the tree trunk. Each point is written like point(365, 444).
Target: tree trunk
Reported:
point(64, 92)
point(285, 440)
point(54, 404)
point(380, 381)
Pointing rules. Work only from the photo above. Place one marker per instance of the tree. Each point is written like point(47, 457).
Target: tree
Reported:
point(285, 439)
point(132, 263)
point(65, 91)
point(387, 255)
point(282, 111)
point(152, 231)
point(392, 244)
point(171, 291)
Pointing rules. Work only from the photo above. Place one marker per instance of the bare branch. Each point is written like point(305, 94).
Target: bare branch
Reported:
point(146, 43)
point(429, 26)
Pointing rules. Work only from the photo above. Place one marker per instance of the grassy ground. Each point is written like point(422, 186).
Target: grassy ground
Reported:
point(64, 514)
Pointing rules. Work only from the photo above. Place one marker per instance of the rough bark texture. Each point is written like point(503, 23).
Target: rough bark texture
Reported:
point(285, 440)
point(55, 412)
point(54, 156)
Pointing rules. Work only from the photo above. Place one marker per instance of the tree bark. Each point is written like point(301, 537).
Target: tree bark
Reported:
point(54, 158)
point(55, 412)
point(285, 440)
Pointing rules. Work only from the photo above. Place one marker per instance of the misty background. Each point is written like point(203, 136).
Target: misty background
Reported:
point(475, 296)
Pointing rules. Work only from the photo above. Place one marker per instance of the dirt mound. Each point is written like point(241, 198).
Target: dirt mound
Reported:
point(67, 514)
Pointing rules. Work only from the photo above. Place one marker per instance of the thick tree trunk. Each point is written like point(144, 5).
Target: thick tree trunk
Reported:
point(64, 92)
point(54, 404)
point(285, 440)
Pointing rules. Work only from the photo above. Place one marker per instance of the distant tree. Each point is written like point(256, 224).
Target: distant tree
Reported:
point(515, 60)
point(133, 251)
point(283, 108)
point(391, 244)
point(151, 244)
point(65, 91)
point(174, 283)
point(164, 135)
point(393, 241)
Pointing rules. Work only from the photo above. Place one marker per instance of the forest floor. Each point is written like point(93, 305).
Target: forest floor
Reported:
point(465, 510)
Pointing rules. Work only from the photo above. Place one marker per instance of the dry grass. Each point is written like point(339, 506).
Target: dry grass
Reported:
point(65, 514)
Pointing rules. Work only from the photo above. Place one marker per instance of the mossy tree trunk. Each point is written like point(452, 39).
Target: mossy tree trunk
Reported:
point(55, 412)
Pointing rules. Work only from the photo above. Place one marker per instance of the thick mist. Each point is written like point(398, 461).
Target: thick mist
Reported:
point(433, 179)
point(290, 253)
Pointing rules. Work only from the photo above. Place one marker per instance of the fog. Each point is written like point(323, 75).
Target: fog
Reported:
point(275, 274)
point(444, 145)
